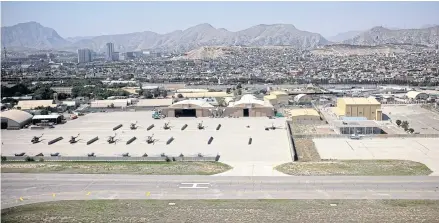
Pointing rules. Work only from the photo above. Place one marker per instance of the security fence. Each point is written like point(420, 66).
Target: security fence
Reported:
point(376, 136)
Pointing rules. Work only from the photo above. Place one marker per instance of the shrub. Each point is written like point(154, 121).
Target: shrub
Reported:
point(41, 160)
point(168, 159)
point(4, 158)
point(29, 159)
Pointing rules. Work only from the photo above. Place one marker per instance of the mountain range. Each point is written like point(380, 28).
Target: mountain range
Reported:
point(34, 35)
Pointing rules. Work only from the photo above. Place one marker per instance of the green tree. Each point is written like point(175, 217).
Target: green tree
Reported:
point(44, 112)
point(43, 93)
point(405, 125)
point(411, 130)
point(398, 122)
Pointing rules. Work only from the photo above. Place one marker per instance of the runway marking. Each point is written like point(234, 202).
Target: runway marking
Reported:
point(194, 186)
point(88, 193)
point(21, 199)
point(53, 195)
point(148, 193)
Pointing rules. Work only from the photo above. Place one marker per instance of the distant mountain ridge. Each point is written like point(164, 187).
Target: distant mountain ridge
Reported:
point(344, 36)
point(33, 35)
point(380, 35)
point(182, 40)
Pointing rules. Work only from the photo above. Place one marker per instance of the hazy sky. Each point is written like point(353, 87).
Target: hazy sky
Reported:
point(327, 18)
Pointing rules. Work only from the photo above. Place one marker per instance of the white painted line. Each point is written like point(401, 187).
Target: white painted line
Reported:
point(194, 185)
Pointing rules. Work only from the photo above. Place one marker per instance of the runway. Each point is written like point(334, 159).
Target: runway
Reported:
point(20, 188)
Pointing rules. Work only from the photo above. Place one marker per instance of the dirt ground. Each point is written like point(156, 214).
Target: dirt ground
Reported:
point(306, 150)
point(355, 168)
point(147, 168)
point(226, 211)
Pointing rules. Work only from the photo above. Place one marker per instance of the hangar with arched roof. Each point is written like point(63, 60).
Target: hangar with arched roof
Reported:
point(15, 119)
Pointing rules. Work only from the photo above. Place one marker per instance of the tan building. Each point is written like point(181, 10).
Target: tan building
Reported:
point(249, 106)
point(359, 107)
point(32, 104)
point(281, 97)
point(188, 108)
point(305, 115)
point(270, 99)
point(221, 94)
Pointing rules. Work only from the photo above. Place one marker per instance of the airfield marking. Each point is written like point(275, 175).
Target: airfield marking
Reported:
point(148, 193)
point(194, 186)
point(88, 193)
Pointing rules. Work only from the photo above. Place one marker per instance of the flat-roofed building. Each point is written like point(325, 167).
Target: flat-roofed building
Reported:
point(281, 97)
point(271, 99)
point(117, 103)
point(359, 107)
point(221, 94)
point(32, 104)
point(54, 118)
point(305, 115)
point(187, 90)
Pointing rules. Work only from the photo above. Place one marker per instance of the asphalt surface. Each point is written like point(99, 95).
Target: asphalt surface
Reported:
point(20, 188)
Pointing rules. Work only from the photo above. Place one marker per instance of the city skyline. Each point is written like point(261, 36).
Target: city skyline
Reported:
point(326, 18)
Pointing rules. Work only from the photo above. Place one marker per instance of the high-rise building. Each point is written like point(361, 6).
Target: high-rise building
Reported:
point(110, 51)
point(84, 55)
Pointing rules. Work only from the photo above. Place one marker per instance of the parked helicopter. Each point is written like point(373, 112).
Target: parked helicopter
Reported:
point(111, 139)
point(125, 154)
point(54, 154)
point(166, 126)
point(91, 154)
point(134, 126)
point(73, 139)
point(150, 139)
point(36, 139)
point(272, 127)
point(201, 126)
point(20, 154)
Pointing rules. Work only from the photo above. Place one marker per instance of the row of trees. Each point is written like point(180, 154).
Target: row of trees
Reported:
point(405, 126)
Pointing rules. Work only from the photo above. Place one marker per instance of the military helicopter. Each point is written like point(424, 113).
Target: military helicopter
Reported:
point(91, 154)
point(54, 154)
point(134, 126)
point(201, 126)
point(272, 127)
point(20, 154)
point(166, 126)
point(73, 139)
point(150, 140)
point(111, 139)
point(36, 139)
point(125, 154)
point(39, 154)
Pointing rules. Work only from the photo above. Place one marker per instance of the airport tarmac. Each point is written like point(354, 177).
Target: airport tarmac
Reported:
point(423, 150)
point(268, 148)
point(420, 119)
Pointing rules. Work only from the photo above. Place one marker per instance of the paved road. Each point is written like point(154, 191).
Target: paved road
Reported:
point(18, 189)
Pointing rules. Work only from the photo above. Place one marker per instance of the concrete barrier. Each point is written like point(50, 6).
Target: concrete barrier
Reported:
point(170, 140)
point(54, 140)
point(117, 127)
point(131, 140)
point(184, 127)
point(150, 127)
point(92, 140)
